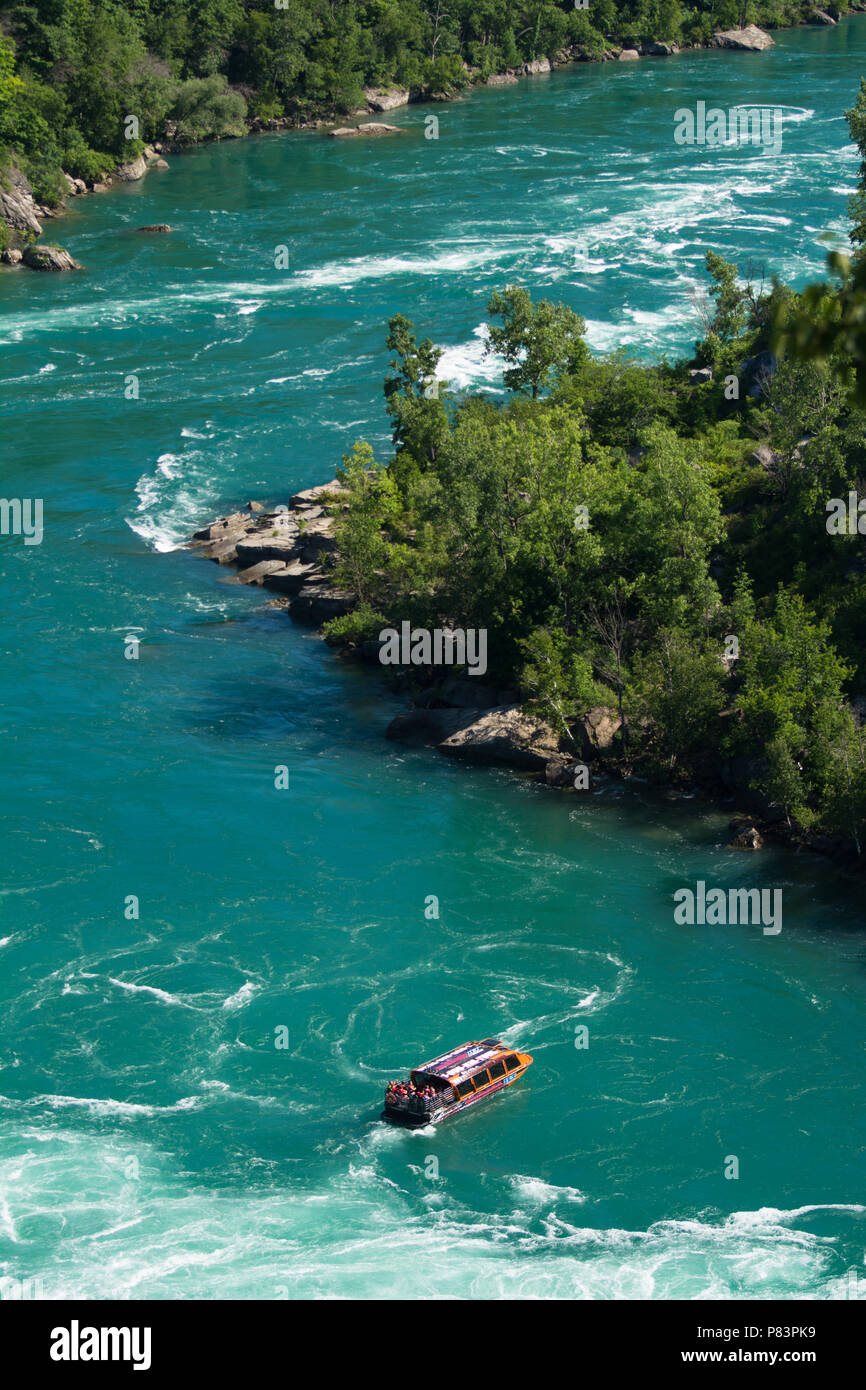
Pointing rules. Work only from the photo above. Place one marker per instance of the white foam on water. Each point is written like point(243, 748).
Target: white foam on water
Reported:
point(94, 1233)
point(469, 364)
point(161, 994)
point(540, 1193)
point(181, 492)
point(462, 258)
point(241, 997)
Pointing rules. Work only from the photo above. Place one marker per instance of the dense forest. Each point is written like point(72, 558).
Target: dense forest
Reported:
point(73, 71)
point(676, 542)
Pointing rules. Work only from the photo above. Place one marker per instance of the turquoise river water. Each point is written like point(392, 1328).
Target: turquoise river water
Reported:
point(154, 1141)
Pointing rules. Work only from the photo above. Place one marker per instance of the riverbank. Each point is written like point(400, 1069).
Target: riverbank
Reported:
point(290, 550)
point(22, 215)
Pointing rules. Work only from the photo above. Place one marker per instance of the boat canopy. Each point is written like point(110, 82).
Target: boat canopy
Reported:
point(454, 1067)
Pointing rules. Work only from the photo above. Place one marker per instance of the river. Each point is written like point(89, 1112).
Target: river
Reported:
point(169, 916)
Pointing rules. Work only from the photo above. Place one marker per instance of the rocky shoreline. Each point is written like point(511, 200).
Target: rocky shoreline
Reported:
point(21, 213)
point(291, 549)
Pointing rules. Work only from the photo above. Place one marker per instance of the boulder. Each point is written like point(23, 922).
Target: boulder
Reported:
point(160, 227)
point(597, 730)
point(49, 258)
point(536, 65)
point(132, 171)
point(17, 207)
point(560, 772)
point(11, 256)
point(98, 187)
point(501, 79)
point(752, 39)
point(744, 834)
point(380, 100)
point(505, 735)
point(160, 164)
point(659, 50)
point(629, 55)
point(699, 375)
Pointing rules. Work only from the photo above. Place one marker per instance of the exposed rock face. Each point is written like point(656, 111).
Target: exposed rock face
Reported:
point(597, 730)
point(820, 17)
point(505, 735)
point(501, 79)
point(745, 834)
point(536, 65)
point(764, 457)
point(282, 551)
point(17, 207)
point(11, 256)
point(49, 258)
point(328, 492)
point(751, 38)
point(628, 55)
point(371, 128)
point(134, 170)
point(699, 375)
point(659, 50)
point(379, 100)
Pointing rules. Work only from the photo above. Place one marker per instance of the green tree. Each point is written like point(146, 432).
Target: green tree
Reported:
point(540, 342)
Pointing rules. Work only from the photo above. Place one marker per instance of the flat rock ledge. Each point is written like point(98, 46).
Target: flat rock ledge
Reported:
point(283, 550)
point(369, 128)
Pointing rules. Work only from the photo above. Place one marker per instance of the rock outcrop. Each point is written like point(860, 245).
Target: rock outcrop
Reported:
point(48, 258)
point(371, 128)
point(11, 256)
point(17, 205)
point(282, 551)
point(597, 730)
point(132, 171)
point(505, 735)
point(386, 100)
point(752, 39)
point(628, 55)
point(745, 834)
point(502, 79)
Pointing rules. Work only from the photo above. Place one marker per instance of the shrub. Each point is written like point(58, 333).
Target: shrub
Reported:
point(206, 108)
